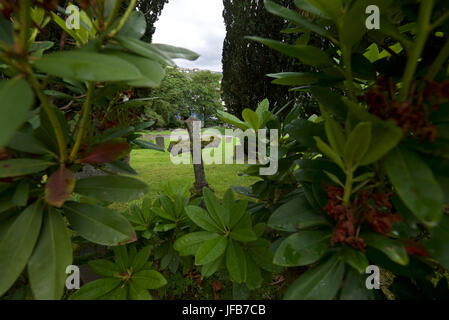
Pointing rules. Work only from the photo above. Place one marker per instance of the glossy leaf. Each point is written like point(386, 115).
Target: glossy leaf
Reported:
point(18, 243)
point(98, 224)
point(354, 287)
point(50, 258)
point(319, 283)
point(236, 262)
point(200, 217)
point(306, 54)
point(175, 52)
point(211, 250)
point(21, 167)
point(17, 98)
point(302, 248)
point(103, 267)
point(355, 258)
point(95, 289)
point(135, 25)
point(152, 72)
point(415, 184)
point(189, 244)
point(394, 249)
point(357, 144)
point(87, 66)
point(295, 214)
point(251, 118)
point(112, 188)
point(149, 279)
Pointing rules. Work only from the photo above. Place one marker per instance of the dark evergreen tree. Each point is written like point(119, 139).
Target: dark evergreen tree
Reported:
point(246, 63)
point(152, 10)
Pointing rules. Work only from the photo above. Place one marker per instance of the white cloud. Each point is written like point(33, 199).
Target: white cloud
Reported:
point(196, 25)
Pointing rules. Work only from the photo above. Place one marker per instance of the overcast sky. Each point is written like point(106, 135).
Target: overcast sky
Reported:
point(196, 25)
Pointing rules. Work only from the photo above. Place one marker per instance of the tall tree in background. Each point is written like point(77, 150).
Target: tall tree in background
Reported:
point(205, 94)
point(246, 63)
point(151, 9)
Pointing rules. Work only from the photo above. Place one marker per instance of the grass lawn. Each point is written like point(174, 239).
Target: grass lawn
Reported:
point(156, 169)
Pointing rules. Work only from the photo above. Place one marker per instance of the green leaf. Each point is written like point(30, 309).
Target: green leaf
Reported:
point(175, 52)
point(238, 213)
point(112, 188)
point(438, 245)
point(143, 49)
point(236, 262)
point(135, 25)
point(152, 72)
point(121, 257)
point(21, 167)
point(357, 144)
point(306, 54)
point(387, 134)
point(259, 251)
point(201, 218)
point(18, 243)
point(189, 244)
point(231, 119)
point(216, 211)
point(353, 24)
point(251, 118)
point(119, 293)
point(332, 8)
point(331, 101)
point(141, 258)
point(253, 276)
point(295, 214)
point(394, 249)
point(6, 31)
point(328, 151)
point(26, 142)
point(17, 98)
point(20, 197)
point(149, 279)
point(98, 224)
point(354, 287)
point(302, 248)
point(319, 283)
point(137, 293)
point(415, 184)
point(148, 145)
point(294, 17)
point(335, 134)
point(211, 250)
point(243, 235)
point(103, 267)
point(50, 258)
point(95, 289)
point(295, 78)
point(209, 269)
point(355, 258)
point(87, 66)
point(303, 132)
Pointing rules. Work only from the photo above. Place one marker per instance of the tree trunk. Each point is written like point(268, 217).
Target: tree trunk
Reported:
point(198, 168)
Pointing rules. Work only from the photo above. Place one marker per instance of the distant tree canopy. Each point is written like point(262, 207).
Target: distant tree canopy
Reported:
point(246, 63)
point(183, 94)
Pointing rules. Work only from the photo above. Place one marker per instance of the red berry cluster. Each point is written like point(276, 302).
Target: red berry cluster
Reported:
point(413, 115)
point(368, 207)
